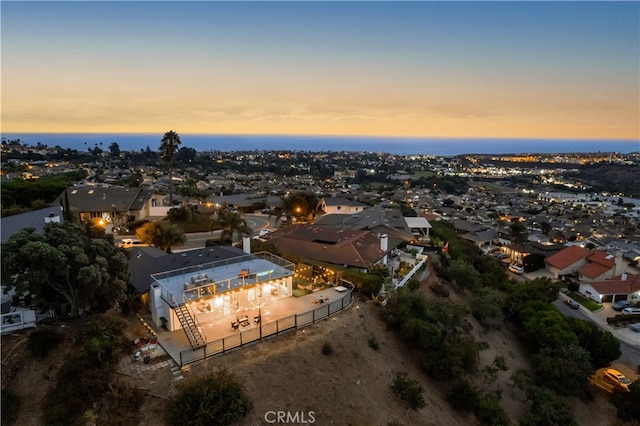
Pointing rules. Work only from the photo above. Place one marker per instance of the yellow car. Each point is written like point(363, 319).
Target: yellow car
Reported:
point(617, 378)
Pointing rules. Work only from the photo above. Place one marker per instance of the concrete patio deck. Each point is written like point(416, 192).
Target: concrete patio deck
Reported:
point(217, 326)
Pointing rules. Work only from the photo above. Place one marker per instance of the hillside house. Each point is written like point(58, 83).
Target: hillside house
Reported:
point(567, 261)
point(223, 280)
point(621, 287)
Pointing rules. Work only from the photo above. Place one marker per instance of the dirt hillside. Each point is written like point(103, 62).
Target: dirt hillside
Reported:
point(289, 373)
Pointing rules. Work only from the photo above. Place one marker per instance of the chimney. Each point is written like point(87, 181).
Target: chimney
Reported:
point(52, 218)
point(618, 265)
point(384, 246)
point(246, 244)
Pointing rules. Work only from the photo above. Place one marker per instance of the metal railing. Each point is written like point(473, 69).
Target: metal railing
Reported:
point(274, 328)
point(210, 287)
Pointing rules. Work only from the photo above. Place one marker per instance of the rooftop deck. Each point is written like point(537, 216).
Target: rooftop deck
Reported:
point(206, 280)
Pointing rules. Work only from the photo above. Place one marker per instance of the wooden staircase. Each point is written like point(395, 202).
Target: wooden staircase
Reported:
point(190, 327)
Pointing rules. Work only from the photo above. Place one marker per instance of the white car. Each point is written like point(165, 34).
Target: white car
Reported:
point(631, 310)
point(516, 269)
point(131, 242)
point(263, 232)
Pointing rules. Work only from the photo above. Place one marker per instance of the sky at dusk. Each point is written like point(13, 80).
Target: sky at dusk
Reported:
point(401, 69)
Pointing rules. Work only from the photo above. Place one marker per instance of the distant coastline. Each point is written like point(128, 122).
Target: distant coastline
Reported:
point(430, 146)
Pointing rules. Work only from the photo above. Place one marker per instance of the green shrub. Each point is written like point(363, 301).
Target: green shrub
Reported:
point(440, 290)
point(43, 341)
point(409, 391)
point(463, 396)
point(78, 385)
point(413, 284)
point(489, 411)
point(10, 406)
point(327, 349)
point(215, 399)
point(373, 343)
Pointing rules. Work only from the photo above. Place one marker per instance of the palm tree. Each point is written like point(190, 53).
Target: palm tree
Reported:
point(517, 232)
point(301, 204)
point(231, 223)
point(168, 148)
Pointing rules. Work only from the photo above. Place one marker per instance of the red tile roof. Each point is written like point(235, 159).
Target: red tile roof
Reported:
point(617, 285)
point(602, 258)
point(567, 257)
point(598, 263)
point(355, 248)
point(593, 270)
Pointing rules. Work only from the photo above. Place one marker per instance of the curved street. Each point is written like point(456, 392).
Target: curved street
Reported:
point(256, 222)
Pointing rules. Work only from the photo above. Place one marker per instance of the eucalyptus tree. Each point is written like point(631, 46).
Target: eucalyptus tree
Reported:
point(168, 149)
point(77, 262)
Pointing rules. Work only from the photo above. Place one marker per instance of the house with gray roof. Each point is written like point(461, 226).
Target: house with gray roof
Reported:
point(37, 219)
point(378, 219)
point(98, 202)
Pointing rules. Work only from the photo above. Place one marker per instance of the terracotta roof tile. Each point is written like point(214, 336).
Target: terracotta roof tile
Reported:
point(567, 257)
point(593, 270)
point(617, 285)
point(332, 245)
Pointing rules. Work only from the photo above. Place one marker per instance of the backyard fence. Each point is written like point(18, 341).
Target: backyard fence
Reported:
point(267, 330)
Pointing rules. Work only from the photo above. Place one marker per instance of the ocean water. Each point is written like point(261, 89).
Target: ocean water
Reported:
point(432, 146)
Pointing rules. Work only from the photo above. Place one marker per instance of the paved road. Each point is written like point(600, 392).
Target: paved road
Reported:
point(195, 240)
point(256, 222)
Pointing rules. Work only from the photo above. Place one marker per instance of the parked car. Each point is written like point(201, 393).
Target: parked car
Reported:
point(635, 327)
point(263, 232)
point(516, 269)
point(631, 310)
point(572, 303)
point(131, 242)
point(617, 378)
point(620, 305)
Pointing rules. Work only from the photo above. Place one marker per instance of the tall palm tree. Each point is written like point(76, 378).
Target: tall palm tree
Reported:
point(168, 149)
point(517, 232)
point(232, 223)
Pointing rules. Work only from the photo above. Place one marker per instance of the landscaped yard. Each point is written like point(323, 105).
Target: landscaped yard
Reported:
point(587, 303)
point(198, 223)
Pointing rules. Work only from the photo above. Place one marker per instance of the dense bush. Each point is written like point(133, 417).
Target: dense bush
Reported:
point(43, 341)
point(103, 339)
point(215, 399)
point(78, 385)
point(489, 411)
point(367, 284)
point(628, 403)
point(546, 409)
point(463, 396)
point(373, 343)
point(409, 391)
point(563, 369)
point(440, 290)
point(10, 406)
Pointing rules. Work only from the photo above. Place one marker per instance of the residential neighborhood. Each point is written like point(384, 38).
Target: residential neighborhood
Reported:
point(313, 230)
